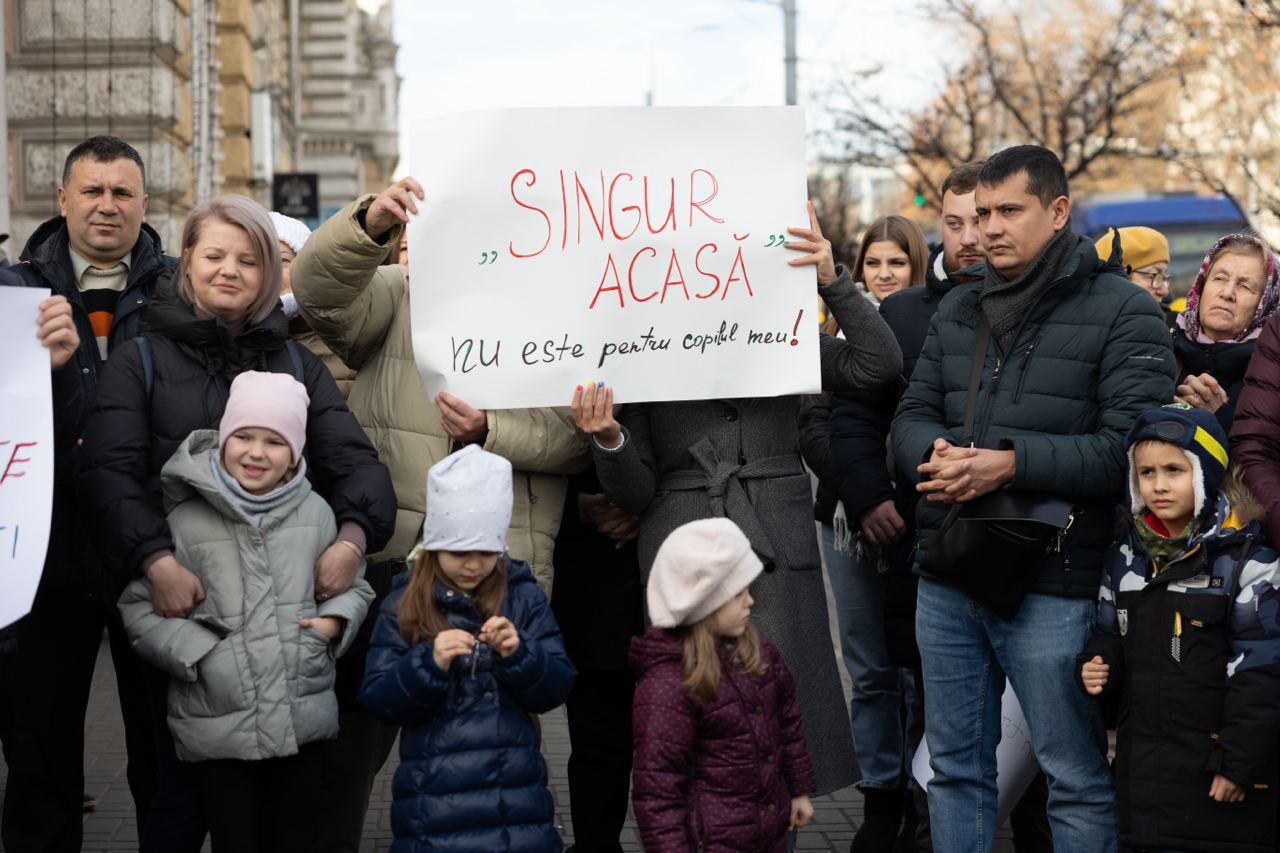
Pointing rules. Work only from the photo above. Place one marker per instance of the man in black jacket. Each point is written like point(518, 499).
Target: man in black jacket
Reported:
point(100, 256)
point(1076, 353)
point(883, 503)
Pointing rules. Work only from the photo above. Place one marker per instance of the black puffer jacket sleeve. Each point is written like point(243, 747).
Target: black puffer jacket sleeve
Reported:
point(128, 524)
point(1135, 372)
point(69, 409)
point(921, 414)
point(859, 429)
point(342, 464)
point(814, 422)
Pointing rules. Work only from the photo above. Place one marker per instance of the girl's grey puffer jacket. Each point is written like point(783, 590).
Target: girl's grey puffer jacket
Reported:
point(246, 681)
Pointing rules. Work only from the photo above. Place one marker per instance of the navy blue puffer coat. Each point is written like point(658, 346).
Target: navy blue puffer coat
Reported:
point(470, 776)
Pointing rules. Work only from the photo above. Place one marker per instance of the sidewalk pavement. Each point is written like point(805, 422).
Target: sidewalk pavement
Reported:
point(111, 826)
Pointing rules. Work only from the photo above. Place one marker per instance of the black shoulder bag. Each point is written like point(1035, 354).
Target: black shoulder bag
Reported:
point(991, 547)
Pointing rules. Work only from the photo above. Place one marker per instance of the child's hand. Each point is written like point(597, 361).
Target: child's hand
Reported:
point(801, 812)
point(500, 635)
point(330, 626)
point(1225, 791)
point(1094, 675)
point(449, 645)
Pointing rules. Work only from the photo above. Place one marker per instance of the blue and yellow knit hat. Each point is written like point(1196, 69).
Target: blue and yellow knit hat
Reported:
point(1197, 432)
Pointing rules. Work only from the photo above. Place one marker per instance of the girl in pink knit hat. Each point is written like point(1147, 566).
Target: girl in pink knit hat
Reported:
point(720, 757)
point(251, 667)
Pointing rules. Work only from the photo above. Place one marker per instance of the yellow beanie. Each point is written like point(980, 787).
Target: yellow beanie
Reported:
point(1139, 246)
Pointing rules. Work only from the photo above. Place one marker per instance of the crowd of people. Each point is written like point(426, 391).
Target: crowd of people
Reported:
point(1028, 472)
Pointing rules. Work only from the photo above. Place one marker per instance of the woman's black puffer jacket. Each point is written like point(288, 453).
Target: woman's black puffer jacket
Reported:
point(132, 433)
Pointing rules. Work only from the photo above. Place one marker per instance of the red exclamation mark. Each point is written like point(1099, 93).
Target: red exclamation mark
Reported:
point(796, 328)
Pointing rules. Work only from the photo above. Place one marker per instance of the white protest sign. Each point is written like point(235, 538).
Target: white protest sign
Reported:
point(1015, 758)
point(641, 247)
point(26, 451)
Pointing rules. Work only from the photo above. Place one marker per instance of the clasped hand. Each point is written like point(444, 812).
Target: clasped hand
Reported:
point(497, 633)
point(958, 474)
point(1202, 392)
point(609, 520)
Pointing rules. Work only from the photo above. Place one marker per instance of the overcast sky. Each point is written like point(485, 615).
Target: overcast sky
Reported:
point(485, 54)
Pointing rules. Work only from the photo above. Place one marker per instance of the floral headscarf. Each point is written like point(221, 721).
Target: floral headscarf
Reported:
point(1189, 319)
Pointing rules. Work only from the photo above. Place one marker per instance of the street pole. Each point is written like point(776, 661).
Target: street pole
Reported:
point(789, 31)
point(788, 8)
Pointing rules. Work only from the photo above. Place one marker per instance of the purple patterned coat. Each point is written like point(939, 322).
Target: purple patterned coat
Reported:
point(718, 775)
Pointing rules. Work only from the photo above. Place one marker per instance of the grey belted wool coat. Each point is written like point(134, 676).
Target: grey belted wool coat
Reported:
point(740, 458)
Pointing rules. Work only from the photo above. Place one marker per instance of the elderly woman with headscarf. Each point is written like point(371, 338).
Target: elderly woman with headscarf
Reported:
point(1235, 292)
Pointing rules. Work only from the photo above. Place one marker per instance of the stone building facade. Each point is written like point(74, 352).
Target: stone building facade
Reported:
point(217, 96)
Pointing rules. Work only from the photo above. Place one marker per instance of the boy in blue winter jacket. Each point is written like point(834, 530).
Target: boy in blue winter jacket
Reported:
point(1189, 634)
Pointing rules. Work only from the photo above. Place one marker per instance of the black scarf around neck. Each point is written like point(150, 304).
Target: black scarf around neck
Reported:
point(1007, 301)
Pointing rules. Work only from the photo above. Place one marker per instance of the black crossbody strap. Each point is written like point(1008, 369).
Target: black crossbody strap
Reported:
point(975, 377)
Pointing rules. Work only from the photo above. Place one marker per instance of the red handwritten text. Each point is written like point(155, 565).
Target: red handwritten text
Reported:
point(14, 460)
point(615, 205)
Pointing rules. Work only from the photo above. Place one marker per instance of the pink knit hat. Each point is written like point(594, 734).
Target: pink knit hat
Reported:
point(700, 567)
point(274, 401)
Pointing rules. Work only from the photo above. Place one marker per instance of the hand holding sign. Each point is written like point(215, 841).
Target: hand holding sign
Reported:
point(593, 414)
point(392, 207)
point(818, 247)
point(461, 420)
point(56, 329)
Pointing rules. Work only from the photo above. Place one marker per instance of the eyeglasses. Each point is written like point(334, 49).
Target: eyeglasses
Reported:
point(1155, 280)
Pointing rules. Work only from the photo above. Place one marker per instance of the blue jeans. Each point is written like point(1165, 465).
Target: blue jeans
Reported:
point(967, 653)
point(881, 692)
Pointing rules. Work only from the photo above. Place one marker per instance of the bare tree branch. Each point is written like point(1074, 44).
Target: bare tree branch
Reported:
point(1022, 76)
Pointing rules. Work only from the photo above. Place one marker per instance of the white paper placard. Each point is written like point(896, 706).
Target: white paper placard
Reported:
point(641, 247)
point(26, 451)
point(1015, 758)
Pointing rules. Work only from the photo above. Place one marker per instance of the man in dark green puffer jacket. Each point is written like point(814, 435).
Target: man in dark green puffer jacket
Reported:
point(1076, 352)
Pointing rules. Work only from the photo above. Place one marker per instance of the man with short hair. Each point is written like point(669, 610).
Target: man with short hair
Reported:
point(876, 609)
point(1075, 353)
point(101, 256)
